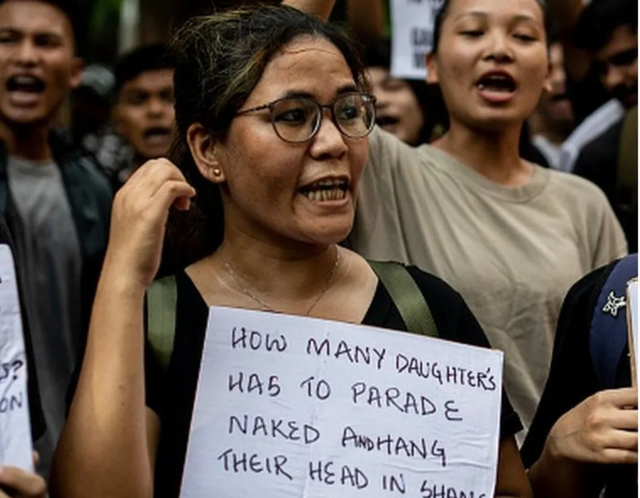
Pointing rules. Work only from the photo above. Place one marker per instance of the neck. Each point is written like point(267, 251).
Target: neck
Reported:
point(27, 142)
point(554, 136)
point(284, 277)
point(493, 154)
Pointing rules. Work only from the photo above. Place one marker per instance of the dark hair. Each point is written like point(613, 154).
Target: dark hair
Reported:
point(73, 12)
point(601, 18)
point(442, 15)
point(219, 60)
point(140, 60)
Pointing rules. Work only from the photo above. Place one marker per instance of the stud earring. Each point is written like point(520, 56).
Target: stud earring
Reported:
point(217, 172)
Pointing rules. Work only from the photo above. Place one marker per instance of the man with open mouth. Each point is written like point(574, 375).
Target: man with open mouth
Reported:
point(144, 113)
point(56, 202)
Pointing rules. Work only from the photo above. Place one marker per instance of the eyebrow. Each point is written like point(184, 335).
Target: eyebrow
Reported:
point(302, 94)
point(483, 15)
point(19, 32)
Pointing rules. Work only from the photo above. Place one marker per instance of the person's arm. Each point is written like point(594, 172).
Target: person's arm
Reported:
point(512, 479)
point(108, 445)
point(366, 18)
point(603, 429)
point(318, 8)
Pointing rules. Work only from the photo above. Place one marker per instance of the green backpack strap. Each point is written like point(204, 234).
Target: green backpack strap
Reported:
point(407, 297)
point(162, 297)
point(628, 159)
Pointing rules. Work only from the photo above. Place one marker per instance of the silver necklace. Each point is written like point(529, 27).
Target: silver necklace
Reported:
point(265, 305)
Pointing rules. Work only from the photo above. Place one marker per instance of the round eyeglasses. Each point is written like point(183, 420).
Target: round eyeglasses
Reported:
point(298, 119)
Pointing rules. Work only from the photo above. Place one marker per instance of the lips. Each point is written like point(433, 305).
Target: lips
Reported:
point(328, 189)
point(496, 86)
point(25, 90)
point(157, 135)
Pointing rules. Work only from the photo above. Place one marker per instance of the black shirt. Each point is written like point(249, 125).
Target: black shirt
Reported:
point(172, 396)
point(572, 379)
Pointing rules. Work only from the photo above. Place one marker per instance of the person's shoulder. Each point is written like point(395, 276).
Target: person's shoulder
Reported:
point(576, 188)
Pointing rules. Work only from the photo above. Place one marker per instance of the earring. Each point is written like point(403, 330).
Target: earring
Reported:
point(217, 172)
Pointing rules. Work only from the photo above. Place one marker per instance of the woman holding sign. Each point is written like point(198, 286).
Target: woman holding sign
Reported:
point(273, 118)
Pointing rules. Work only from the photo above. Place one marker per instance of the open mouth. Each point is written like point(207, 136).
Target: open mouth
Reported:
point(25, 84)
point(498, 83)
point(157, 134)
point(383, 121)
point(326, 190)
point(559, 97)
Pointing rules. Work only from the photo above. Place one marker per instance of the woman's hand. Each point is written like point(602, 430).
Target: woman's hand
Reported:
point(18, 483)
point(602, 429)
point(139, 219)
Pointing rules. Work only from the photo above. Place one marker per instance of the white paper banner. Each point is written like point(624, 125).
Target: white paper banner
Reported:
point(632, 309)
point(412, 36)
point(298, 407)
point(15, 427)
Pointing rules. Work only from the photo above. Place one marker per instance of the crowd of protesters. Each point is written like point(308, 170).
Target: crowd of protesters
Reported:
point(265, 177)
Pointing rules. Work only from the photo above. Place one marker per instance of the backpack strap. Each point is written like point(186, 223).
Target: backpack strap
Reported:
point(627, 177)
point(407, 297)
point(608, 332)
point(162, 298)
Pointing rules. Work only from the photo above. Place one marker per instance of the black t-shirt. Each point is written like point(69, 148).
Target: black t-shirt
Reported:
point(172, 395)
point(572, 379)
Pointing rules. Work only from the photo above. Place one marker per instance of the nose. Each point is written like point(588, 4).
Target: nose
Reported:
point(27, 53)
point(328, 142)
point(156, 107)
point(613, 77)
point(499, 49)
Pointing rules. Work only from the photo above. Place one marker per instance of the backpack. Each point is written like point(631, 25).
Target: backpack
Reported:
point(608, 328)
point(162, 299)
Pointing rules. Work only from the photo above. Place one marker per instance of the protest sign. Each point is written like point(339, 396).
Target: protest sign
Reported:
point(15, 428)
point(412, 36)
point(291, 407)
point(632, 327)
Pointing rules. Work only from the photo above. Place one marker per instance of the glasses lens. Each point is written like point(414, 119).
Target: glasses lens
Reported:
point(355, 114)
point(294, 119)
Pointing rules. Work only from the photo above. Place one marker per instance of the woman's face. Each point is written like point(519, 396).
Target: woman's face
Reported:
point(397, 108)
point(492, 61)
point(293, 192)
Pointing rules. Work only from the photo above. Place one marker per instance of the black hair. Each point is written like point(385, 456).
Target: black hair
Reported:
point(444, 10)
point(140, 60)
point(74, 13)
point(601, 18)
point(219, 59)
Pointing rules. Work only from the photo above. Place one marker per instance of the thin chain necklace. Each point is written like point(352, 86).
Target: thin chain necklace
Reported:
point(268, 307)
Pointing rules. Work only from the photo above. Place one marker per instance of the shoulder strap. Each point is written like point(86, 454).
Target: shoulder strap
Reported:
point(608, 332)
point(407, 297)
point(162, 297)
point(627, 178)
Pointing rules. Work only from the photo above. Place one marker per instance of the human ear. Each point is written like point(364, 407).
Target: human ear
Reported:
point(203, 150)
point(432, 68)
point(547, 85)
point(77, 65)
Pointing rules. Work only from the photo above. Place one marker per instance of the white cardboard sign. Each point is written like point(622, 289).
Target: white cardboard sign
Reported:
point(632, 313)
point(292, 407)
point(412, 36)
point(15, 427)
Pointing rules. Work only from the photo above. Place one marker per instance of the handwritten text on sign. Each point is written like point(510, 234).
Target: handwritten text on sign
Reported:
point(297, 407)
point(15, 428)
point(413, 23)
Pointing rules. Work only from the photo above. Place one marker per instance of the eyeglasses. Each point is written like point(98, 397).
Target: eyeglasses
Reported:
point(298, 119)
